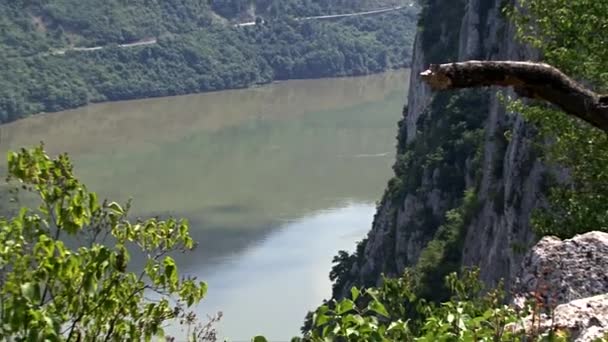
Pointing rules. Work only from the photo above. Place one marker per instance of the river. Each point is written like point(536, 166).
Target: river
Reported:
point(274, 181)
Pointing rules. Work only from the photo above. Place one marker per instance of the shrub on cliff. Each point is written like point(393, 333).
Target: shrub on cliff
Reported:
point(393, 312)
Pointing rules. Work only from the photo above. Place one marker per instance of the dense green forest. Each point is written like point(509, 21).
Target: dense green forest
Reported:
point(198, 47)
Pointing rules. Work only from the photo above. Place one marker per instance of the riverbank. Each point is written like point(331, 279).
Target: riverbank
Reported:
point(218, 59)
point(259, 85)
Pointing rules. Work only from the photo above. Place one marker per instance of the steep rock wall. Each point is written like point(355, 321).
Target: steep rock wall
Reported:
point(451, 142)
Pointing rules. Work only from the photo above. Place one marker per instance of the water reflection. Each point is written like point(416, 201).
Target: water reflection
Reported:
point(148, 123)
point(241, 166)
point(268, 288)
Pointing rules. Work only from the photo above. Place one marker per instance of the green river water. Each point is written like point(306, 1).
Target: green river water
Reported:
point(274, 181)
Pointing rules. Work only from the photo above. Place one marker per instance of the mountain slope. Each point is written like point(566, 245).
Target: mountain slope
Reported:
point(466, 175)
point(35, 26)
point(188, 48)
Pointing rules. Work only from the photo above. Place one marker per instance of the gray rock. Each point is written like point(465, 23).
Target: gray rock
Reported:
point(563, 271)
point(585, 320)
point(511, 175)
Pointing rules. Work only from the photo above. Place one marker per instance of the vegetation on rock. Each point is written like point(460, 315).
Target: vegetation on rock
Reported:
point(567, 34)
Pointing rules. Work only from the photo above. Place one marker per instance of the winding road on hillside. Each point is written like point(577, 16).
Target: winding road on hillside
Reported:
point(152, 41)
point(143, 42)
point(337, 16)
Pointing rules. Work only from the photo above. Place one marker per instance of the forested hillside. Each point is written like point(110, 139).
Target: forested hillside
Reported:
point(196, 47)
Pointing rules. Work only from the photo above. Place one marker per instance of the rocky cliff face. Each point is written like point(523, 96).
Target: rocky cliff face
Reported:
point(452, 142)
point(566, 270)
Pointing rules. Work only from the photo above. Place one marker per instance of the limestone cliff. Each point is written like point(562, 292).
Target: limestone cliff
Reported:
point(451, 142)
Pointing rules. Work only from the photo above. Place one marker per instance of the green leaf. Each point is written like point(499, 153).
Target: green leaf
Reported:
point(31, 291)
point(352, 331)
point(450, 318)
point(328, 332)
point(320, 319)
point(90, 283)
point(354, 293)
point(354, 319)
point(170, 270)
point(378, 308)
point(399, 325)
point(461, 324)
point(359, 319)
point(345, 306)
point(203, 288)
point(93, 203)
point(116, 208)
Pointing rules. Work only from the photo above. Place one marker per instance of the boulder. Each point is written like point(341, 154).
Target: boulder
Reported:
point(584, 320)
point(567, 282)
point(558, 272)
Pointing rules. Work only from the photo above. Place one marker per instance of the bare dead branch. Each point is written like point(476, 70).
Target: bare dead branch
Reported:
point(529, 79)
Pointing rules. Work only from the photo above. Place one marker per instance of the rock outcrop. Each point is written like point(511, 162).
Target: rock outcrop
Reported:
point(504, 176)
point(504, 173)
point(582, 320)
point(568, 282)
point(563, 271)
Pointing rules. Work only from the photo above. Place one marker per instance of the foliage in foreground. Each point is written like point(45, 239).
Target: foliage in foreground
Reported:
point(393, 312)
point(64, 266)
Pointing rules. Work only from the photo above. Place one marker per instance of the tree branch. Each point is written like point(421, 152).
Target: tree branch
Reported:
point(532, 80)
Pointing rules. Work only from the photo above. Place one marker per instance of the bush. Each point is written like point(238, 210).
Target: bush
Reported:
point(65, 270)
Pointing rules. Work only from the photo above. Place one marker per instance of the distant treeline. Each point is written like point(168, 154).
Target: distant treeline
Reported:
point(202, 54)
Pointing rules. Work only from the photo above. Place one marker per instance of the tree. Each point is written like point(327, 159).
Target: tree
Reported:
point(533, 80)
point(65, 273)
point(571, 36)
